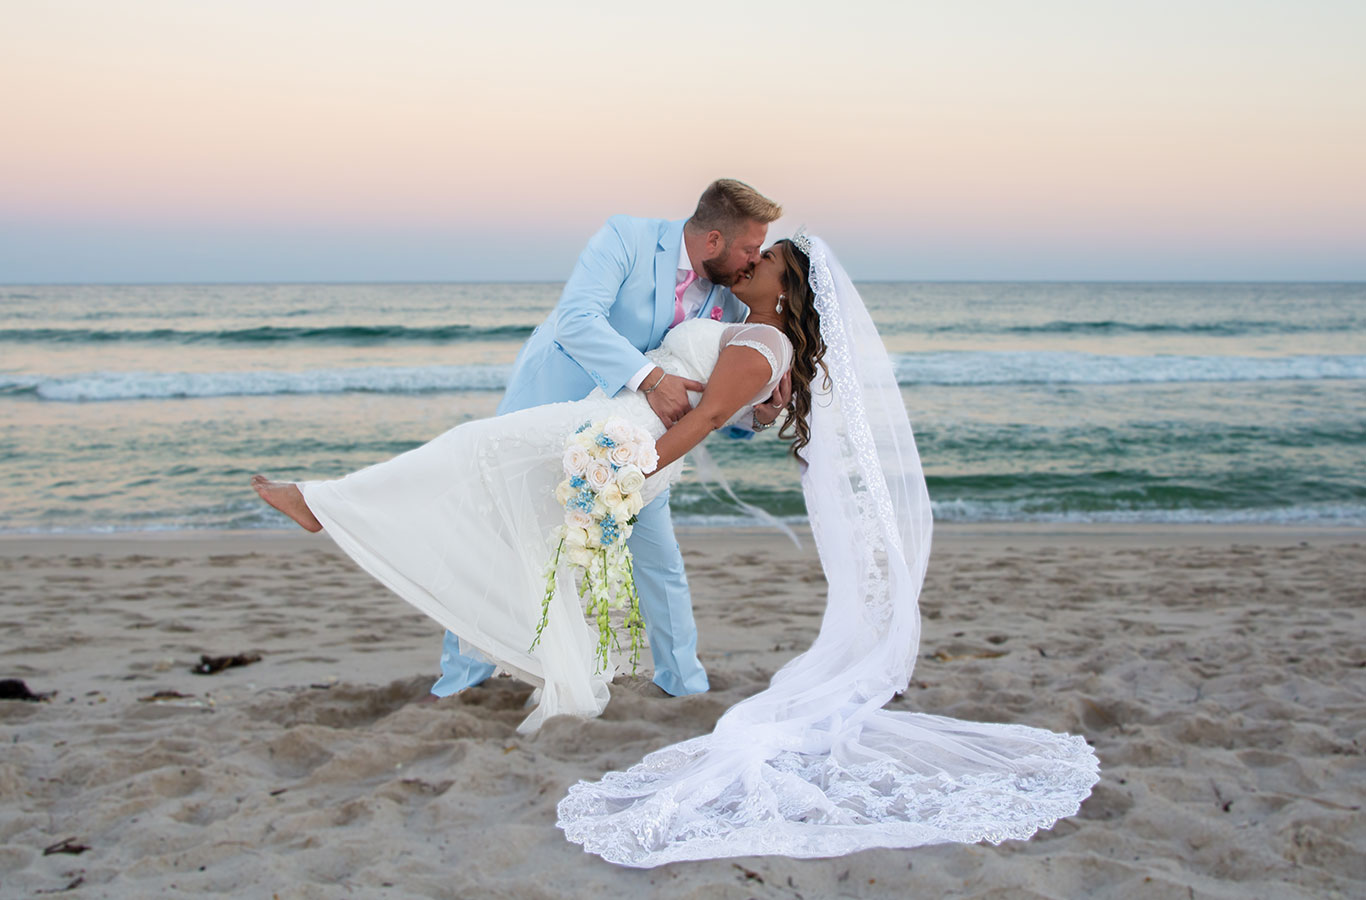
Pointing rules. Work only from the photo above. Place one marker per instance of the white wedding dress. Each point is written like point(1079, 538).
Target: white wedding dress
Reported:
point(815, 765)
point(460, 526)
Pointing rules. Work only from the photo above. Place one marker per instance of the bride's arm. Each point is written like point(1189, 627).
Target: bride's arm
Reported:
point(741, 373)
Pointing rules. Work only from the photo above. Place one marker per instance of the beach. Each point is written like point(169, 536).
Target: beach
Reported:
point(1219, 672)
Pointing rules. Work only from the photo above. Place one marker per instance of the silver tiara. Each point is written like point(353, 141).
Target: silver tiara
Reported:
point(802, 240)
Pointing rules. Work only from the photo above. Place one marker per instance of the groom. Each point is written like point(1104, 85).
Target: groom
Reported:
point(636, 279)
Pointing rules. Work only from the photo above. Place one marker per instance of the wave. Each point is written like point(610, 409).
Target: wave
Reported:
point(692, 508)
point(912, 369)
point(976, 513)
point(362, 335)
point(956, 512)
point(1060, 368)
point(1115, 327)
point(1342, 515)
point(270, 334)
point(101, 386)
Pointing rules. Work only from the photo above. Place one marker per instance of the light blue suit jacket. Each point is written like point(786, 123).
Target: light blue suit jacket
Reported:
point(618, 303)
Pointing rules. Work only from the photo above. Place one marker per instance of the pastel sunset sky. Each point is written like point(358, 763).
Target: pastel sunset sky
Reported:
point(421, 140)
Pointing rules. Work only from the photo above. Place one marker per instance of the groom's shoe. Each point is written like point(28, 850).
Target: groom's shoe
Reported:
point(458, 670)
point(672, 684)
point(686, 673)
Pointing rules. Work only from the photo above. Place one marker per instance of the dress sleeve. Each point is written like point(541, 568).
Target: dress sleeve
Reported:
point(769, 341)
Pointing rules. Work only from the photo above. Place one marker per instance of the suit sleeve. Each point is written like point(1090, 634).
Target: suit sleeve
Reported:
point(581, 327)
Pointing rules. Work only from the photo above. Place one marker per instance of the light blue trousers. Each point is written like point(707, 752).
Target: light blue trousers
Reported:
point(664, 603)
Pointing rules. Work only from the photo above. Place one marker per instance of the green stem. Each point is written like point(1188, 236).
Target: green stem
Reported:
point(549, 593)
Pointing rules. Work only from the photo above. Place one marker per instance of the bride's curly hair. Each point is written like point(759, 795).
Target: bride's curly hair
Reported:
point(803, 328)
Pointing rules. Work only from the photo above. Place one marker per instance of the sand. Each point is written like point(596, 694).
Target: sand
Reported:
point(1220, 675)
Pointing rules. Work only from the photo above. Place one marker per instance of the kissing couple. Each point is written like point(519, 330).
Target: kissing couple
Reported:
point(678, 329)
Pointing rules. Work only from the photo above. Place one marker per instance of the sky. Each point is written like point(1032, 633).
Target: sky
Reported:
point(434, 140)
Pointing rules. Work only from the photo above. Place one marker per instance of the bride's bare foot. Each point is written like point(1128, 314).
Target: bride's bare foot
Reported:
point(288, 499)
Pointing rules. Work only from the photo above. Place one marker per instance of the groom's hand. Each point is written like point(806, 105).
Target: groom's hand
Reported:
point(669, 399)
point(766, 413)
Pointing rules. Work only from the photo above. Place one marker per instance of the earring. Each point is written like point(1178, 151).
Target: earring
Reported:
point(779, 307)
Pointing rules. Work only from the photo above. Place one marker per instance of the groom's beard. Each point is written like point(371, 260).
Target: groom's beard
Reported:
point(716, 274)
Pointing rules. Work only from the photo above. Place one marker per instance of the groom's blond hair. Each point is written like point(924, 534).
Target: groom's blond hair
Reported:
point(727, 204)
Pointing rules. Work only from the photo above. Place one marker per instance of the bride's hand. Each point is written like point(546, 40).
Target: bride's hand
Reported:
point(670, 400)
point(767, 413)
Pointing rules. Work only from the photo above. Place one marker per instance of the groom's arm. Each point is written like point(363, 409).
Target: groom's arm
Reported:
point(581, 326)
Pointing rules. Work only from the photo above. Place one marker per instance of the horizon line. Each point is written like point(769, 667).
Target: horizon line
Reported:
point(550, 281)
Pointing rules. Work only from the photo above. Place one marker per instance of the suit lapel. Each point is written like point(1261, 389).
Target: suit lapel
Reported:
point(666, 272)
point(704, 311)
point(732, 310)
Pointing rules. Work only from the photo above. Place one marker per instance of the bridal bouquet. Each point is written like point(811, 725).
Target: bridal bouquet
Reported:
point(604, 465)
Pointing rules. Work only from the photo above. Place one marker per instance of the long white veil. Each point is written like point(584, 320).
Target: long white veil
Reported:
point(813, 766)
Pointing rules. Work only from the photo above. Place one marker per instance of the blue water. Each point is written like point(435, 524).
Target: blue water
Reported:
point(147, 407)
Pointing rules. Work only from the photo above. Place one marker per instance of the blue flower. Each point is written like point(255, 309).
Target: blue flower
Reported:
point(577, 482)
point(610, 531)
point(582, 428)
point(605, 441)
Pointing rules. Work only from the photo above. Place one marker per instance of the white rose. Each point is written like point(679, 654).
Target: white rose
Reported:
point(575, 537)
point(630, 479)
point(585, 440)
point(577, 518)
point(611, 495)
point(622, 454)
point(580, 557)
point(594, 535)
point(619, 430)
point(622, 513)
point(599, 474)
point(563, 491)
point(575, 460)
point(647, 457)
point(635, 503)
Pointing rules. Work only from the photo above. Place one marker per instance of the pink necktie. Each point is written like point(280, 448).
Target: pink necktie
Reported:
point(678, 296)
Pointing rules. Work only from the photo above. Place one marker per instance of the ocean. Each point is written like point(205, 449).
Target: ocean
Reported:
point(148, 407)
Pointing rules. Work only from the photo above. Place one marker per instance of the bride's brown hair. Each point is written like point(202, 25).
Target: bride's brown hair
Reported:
point(803, 329)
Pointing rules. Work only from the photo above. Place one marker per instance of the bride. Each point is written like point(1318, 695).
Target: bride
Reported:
point(812, 766)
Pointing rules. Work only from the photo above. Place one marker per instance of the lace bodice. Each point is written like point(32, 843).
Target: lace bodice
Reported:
point(692, 348)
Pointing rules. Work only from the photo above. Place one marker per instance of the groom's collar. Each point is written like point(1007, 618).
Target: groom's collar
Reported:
point(669, 232)
point(685, 262)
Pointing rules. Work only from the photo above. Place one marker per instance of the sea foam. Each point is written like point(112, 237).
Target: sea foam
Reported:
point(955, 368)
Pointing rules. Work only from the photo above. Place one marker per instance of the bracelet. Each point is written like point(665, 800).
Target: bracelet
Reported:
point(756, 427)
point(657, 383)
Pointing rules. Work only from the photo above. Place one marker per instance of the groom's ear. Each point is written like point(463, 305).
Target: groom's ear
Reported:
point(716, 242)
